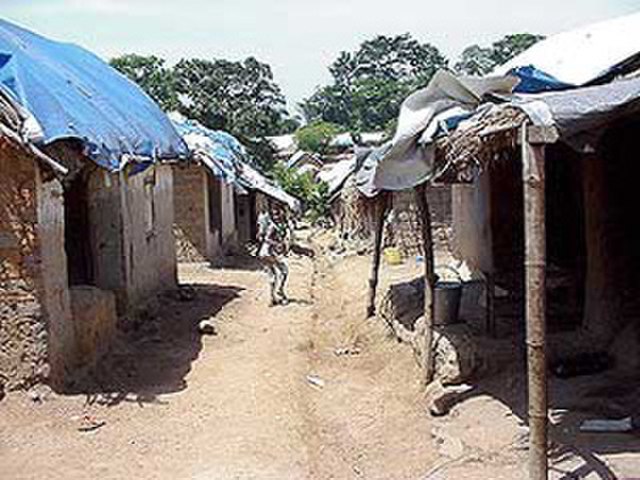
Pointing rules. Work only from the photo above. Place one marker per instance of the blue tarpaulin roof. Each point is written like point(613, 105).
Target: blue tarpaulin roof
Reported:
point(72, 93)
point(533, 80)
point(227, 158)
point(219, 151)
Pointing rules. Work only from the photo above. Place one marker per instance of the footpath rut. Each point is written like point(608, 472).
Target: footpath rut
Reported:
point(238, 405)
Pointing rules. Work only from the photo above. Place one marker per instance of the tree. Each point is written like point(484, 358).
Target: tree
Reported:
point(370, 84)
point(152, 76)
point(512, 45)
point(317, 136)
point(313, 193)
point(332, 103)
point(478, 61)
point(239, 97)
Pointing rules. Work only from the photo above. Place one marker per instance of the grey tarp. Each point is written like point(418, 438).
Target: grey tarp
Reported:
point(580, 115)
point(365, 173)
point(409, 160)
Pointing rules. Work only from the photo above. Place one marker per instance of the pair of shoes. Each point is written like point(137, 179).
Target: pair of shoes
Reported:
point(279, 301)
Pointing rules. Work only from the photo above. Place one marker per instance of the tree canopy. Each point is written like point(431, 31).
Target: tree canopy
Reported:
point(370, 83)
point(240, 97)
point(316, 136)
point(152, 76)
point(477, 60)
point(367, 89)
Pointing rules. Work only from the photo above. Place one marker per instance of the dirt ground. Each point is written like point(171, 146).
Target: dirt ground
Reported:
point(237, 405)
point(310, 390)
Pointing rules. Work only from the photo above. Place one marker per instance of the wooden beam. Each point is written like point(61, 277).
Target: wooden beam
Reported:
point(491, 307)
point(533, 177)
point(429, 280)
point(381, 206)
point(539, 135)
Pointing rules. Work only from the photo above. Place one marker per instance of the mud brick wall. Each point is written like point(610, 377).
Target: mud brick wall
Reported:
point(190, 213)
point(149, 242)
point(355, 216)
point(439, 197)
point(23, 335)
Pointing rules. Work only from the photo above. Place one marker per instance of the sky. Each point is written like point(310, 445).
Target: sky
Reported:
point(298, 38)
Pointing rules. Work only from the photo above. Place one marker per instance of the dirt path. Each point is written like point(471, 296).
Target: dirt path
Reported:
point(237, 405)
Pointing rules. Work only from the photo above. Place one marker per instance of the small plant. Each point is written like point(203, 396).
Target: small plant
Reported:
point(317, 136)
point(313, 193)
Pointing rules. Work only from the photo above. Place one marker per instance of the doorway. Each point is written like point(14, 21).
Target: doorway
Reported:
point(77, 233)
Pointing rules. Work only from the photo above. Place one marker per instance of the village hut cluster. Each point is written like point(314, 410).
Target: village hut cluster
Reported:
point(219, 194)
point(353, 214)
point(101, 194)
point(541, 156)
point(531, 170)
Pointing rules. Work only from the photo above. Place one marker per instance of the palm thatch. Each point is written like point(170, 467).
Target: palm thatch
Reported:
point(467, 151)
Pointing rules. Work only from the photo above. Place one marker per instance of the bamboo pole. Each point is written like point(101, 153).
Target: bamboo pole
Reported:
point(429, 279)
point(380, 213)
point(533, 177)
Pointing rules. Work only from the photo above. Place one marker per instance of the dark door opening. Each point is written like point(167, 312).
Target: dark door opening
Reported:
point(215, 206)
point(253, 217)
point(77, 233)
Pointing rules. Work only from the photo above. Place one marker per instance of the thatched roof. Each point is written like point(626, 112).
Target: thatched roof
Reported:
point(467, 151)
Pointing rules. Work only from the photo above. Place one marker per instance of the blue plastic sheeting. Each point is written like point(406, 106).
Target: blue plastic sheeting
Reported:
point(227, 158)
point(533, 80)
point(73, 94)
point(219, 151)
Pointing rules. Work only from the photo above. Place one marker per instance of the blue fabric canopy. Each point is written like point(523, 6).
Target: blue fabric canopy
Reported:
point(533, 80)
point(220, 151)
point(227, 158)
point(73, 94)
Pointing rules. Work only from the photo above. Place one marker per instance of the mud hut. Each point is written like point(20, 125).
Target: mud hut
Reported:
point(87, 209)
point(218, 194)
point(547, 211)
point(205, 193)
point(354, 210)
point(255, 193)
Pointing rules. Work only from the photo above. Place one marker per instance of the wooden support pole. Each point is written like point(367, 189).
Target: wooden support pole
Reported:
point(429, 279)
point(533, 177)
point(491, 305)
point(381, 207)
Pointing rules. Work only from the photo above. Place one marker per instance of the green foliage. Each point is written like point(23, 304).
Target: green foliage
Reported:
point(370, 84)
point(262, 150)
point(241, 98)
point(152, 76)
point(476, 60)
point(317, 136)
point(512, 45)
point(313, 193)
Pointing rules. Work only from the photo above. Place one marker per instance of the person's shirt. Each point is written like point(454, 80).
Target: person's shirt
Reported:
point(263, 223)
point(275, 239)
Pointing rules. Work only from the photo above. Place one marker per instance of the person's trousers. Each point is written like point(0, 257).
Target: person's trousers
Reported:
point(278, 274)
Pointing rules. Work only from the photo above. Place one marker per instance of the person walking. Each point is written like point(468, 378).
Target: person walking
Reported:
point(274, 233)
